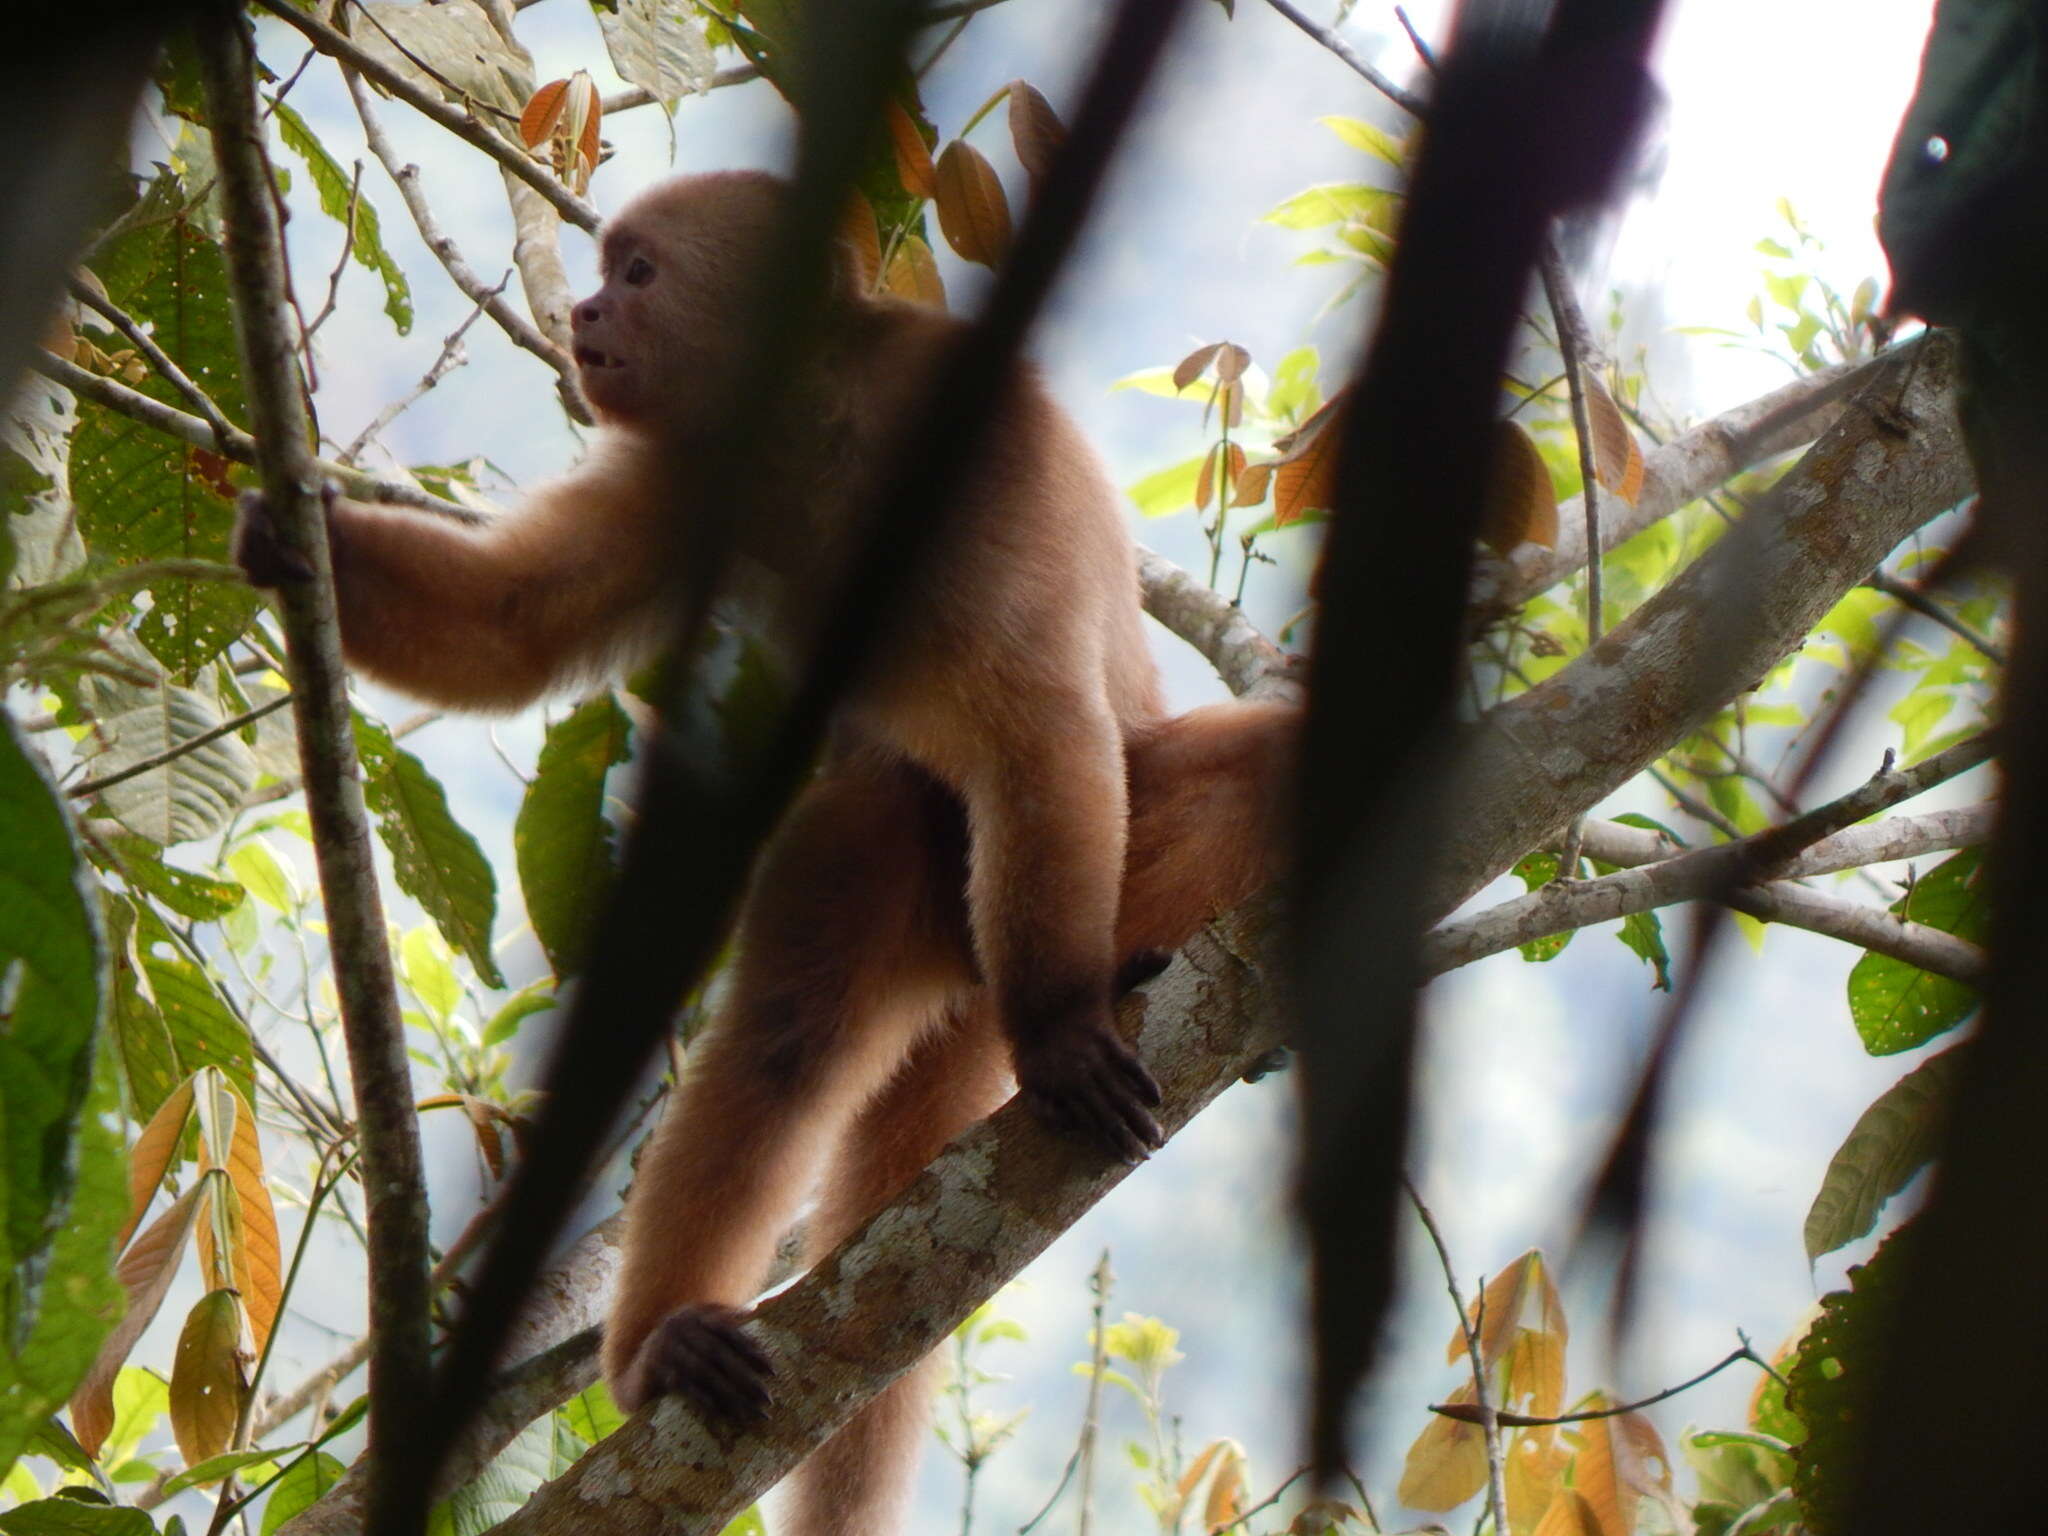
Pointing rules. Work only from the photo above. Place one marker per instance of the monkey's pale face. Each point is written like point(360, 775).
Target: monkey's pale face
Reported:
point(662, 339)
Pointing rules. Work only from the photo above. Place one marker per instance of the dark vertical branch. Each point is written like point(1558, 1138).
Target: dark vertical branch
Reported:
point(1415, 458)
point(388, 1131)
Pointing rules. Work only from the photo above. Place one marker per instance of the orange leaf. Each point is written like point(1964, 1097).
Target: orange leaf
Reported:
point(1226, 1492)
point(1601, 1471)
point(1192, 367)
point(914, 275)
point(543, 111)
point(1205, 479)
point(974, 215)
point(1569, 1515)
point(1035, 129)
point(863, 242)
point(1524, 1324)
point(206, 1378)
point(1534, 1465)
point(1305, 477)
point(913, 155)
point(1617, 461)
point(155, 1150)
point(247, 1221)
point(1447, 1463)
point(1252, 483)
point(145, 1273)
point(1521, 503)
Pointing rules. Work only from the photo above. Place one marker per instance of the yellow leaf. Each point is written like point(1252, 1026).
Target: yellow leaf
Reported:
point(1534, 1464)
point(145, 1273)
point(1226, 1490)
point(1568, 1515)
point(1252, 484)
point(1617, 461)
point(1447, 1463)
point(245, 1224)
point(1524, 1325)
point(1521, 503)
point(974, 215)
point(155, 1150)
point(914, 275)
point(206, 1378)
point(913, 155)
point(863, 242)
point(1596, 1474)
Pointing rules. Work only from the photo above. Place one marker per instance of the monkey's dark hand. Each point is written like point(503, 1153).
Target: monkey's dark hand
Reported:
point(1082, 1080)
point(699, 1353)
point(264, 557)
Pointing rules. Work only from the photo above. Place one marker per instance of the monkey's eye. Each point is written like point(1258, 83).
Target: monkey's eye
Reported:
point(639, 272)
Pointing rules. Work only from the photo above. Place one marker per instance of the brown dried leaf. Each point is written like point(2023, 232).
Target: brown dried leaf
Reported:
point(862, 238)
point(1231, 362)
point(145, 1273)
point(1226, 1491)
point(155, 1150)
point(1647, 1464)
point(543, 110)
point(974, 215)
point(913, 155)
point(1521, 503)
point(1192, 367)
point(1205, 479)
point(1617, 460)
point(1524, 1325)
point(1447, 1463)
point(1035, 129)
point(914, 275)
point(1252, 484)
point(206, 1377)
point(1305, 477)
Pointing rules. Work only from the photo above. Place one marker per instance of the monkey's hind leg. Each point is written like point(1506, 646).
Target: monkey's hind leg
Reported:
point(839, 970)
point(859, 1482)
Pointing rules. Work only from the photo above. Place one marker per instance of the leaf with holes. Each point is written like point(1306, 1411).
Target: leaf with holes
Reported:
point(974, 215)
point(206, 1377)
point(436, 860)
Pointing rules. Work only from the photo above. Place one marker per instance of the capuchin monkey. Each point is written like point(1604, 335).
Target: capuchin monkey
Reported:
point(1008, 829)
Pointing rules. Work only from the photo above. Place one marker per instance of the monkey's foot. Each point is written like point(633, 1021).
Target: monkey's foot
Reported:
point(699, 1352)
point(1083, 1081)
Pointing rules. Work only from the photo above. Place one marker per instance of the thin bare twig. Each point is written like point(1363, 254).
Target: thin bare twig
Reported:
point(1484, 1414)
point(1463, 1412)
point(1399, 95)
point(468, 129)
point(206, 738)
point(451, 358)
point(348, 249)
point(1909, 594)
point(1264, 1504)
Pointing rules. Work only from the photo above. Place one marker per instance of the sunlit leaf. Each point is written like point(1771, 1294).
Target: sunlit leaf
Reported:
point(1617, 459)
point(1447, 1463)
point(1897, 1006)
point(973, 213)
point(1521, 502)
point(914, 275)
point(913, 156)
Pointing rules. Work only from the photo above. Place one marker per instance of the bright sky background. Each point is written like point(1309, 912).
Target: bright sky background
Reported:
point(1768, 99)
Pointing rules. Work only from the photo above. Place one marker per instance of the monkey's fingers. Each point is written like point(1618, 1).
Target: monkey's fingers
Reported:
point(700, 1353)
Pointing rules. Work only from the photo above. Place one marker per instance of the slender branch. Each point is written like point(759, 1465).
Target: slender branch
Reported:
point(388, 1131)
point(238, 445)
point(1484, 1414)
point(1917, 600)
point(160, 360)
point(206, 738)
point(468, 129)
point(450, 358)
point(1264, 1504)
point(348, 249)
point(1399, 95)
point(1874, 842)
point(1574, 344)
point(1463, 1412)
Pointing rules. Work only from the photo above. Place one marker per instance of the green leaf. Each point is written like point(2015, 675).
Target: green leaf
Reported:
point(437, 862)
point(1891, 1141)
point(1295, 394)
point(1897, 1006)
point(1643, 934)
point(502, 1488)
point(333, 185)
point(190, 796)
point(53, 986)
point(214, 1468)
point(592, 1414)
point(423, 963)
point(1363, 135)
point(141, 495)
point(747, 1523)
point(536, 997)
point(302, 1483)
point(1536, 870)
point(74, 1517)
point(565, 846)
point(264, 877)
point(1168, 491)
point(1335, 203)
point(657, 45)
point(140, 864)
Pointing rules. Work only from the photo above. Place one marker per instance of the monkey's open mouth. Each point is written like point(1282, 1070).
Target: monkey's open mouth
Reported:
point(590, 357)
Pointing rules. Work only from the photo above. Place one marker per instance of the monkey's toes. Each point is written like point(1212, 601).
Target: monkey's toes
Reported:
point(701, 1353)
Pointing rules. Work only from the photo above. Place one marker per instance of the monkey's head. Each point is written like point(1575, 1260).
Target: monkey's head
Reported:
point(661, 338)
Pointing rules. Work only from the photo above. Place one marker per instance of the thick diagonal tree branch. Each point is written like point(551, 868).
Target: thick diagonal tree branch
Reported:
point(1003, 1191)
point(388, 1132)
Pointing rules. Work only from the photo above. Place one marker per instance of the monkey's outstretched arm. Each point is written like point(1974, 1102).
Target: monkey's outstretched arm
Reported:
point(477, 616)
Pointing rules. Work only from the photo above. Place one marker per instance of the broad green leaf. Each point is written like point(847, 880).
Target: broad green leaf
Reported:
point(1643, 934)
point(423, 962)
point(436, 860)
point(342, 200)
point(592, 1414)
point(1295, 394)
point(140, 864)
point(1360, 134)
point(1891, 1141)
point(214, 1468)
point(657, 45)
point(1536, 870)
point(1168, 491)
point(142, 495)
point(1897, 1006)
point(747, 1523)
point(264, 877)
point(503, 1487)
point(53, 985)
point(187, 797)
point(302, 1483)
point(456, 41)
point(564, 844)
point(536, 997)
point(1334, 203)
point(201, 1029)
point(74, 1517)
